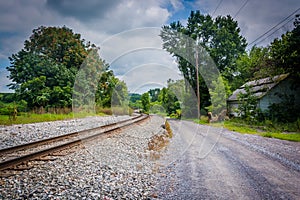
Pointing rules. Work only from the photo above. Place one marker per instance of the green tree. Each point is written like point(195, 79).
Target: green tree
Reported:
point(218, 96)
point(169, 101)
point(285, 51)
point(43, 72)
point(109, 86)
point(252, 65)
point(247, 105)
point(154, 94)
point(145, 101)
point(220, 37)
point(134, 101)
point(59, 44)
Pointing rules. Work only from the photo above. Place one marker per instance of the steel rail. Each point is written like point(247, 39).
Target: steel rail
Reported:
point(19, 160)
point(58, 138)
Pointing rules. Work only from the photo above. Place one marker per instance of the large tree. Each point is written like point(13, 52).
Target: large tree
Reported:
point(145, 99)
point(252, 65)
point(220, 37)
point(285, 51)
point(281, 56)
point(44, 71)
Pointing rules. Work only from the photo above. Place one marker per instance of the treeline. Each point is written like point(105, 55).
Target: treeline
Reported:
point(205, 39)
point(174, 101)
point(58, 69)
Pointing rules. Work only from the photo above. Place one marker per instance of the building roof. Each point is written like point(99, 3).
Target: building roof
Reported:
point(259, 87)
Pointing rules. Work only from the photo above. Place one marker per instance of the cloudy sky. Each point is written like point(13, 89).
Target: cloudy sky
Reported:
point(127, 30)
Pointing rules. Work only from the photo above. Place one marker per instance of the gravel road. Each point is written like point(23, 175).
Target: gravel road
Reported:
point(203, 162)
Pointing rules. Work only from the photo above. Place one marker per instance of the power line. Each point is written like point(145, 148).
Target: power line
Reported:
point(240, 9)
point(275, 27)
point(217, 7)
point(272, 32)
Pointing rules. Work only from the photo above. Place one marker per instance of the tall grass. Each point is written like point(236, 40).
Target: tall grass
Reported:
point(26, 118)
point(53, 114)
point(264, 129)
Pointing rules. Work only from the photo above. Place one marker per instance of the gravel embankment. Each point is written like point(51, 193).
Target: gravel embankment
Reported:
point(24, 133)
point(115, 167)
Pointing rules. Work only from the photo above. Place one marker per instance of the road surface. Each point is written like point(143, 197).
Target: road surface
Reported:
point(203, 162)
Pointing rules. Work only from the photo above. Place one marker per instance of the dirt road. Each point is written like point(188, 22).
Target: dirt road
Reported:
point(203, 162)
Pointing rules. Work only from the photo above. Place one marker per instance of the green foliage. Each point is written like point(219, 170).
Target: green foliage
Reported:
point(156, 108)
point(286, 111)
point(251, 66)
point(203, 120)
point(43, 72)
point(218, 96)
point(281, 56)
point(135, 101)
point(134, 97)
point(145, 99)
point(247, 105)
point(169, 101)
point(25, 118)
point(220, 37)
point(285, 51)
point(283, 136)
point(266, 128)
point(154, 94)
point(7, 97)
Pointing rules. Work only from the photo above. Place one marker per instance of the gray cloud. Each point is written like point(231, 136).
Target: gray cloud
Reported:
point(256, 17)
point(83, 10)
point(98, 20)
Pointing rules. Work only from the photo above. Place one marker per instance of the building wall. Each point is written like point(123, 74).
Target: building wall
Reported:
point(284, 87)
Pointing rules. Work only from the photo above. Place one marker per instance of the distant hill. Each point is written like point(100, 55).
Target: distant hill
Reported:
point(133, 97)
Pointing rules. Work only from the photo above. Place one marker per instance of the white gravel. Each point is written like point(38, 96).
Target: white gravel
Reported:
point(24, 133)
point(114, 167)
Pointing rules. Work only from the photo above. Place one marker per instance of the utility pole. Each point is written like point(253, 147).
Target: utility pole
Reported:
point(197, 77)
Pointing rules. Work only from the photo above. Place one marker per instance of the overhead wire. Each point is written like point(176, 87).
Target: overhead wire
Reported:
point(236, 14)
point(217, 7)
point(275, 27)
point(273, 32)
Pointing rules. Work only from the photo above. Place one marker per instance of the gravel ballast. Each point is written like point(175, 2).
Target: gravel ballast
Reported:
point(117, 166)
point(24, 133)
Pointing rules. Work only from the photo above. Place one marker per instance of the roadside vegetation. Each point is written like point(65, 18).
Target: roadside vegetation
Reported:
point(54, 75)
point(283, 131)
point(58, 75)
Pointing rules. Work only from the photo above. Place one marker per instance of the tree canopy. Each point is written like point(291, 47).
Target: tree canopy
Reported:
point(43, 72)
point(220, 37)
point(282, 55)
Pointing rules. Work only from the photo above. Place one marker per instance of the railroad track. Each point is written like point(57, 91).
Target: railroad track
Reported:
point(18, 155)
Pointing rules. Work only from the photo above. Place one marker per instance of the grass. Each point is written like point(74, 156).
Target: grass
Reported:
point(248, 129)
point(40, 115)
point(242, 128)
point(26, 118)
point(283, 136)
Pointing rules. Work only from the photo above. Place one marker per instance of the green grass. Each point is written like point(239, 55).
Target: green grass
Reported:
point(247, 129)
point(242, 128)
point(283, 136)
point(26, 118)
